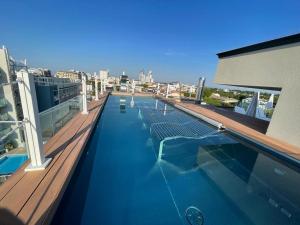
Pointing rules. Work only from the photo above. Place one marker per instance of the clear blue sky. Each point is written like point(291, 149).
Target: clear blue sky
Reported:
point(177, 39)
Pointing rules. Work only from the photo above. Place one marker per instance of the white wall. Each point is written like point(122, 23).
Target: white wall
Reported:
point(272, 68)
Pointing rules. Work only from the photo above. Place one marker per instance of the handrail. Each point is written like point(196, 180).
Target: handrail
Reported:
point(11, 122)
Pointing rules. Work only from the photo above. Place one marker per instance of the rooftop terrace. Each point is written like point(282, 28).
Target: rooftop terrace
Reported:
point(33, 197)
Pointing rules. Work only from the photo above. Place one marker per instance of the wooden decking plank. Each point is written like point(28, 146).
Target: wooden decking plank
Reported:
point(51, 192)
point(42, 198)
point(27, 183)
point(16, 178)
point(245, 130)
point(18, 175)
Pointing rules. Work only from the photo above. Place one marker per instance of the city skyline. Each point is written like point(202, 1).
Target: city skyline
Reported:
point(177, 41)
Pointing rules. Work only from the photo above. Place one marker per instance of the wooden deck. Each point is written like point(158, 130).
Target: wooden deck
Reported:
point(247, 126)
point(32, 197)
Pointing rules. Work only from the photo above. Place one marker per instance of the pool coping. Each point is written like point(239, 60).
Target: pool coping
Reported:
point(33, 197)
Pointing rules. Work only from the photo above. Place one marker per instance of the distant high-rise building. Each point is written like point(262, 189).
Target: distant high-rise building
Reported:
point(142, 77)
point(146, 78)
point(103, 74)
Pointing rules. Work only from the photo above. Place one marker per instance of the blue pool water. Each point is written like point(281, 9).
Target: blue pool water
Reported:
point(10, 163)
point(148, 163)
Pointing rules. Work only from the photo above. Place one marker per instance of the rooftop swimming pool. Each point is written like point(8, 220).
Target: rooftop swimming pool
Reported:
point(149, 163)
point(10, 163)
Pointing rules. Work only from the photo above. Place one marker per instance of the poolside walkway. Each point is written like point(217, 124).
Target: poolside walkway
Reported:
point(32, 197)
point(250, 127)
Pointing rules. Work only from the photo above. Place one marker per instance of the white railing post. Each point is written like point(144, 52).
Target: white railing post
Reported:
point(96, 87)
point(104, 86)
point(168, 89)
point(132, 87)
point(84, 95)
point(101, 87)
point(32, 125)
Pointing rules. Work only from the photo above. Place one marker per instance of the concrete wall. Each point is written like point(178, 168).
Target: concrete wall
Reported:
point(275, 68)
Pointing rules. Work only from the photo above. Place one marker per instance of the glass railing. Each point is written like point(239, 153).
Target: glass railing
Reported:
point(3, 102)
point(53, 119)
point(13, 150)
point(4, 116)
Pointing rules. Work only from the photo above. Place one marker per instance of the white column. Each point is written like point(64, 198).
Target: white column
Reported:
point(132, 86)
point(96, 87)
point(84, 95)
point(168, 89)
point(32, 124)
point(157, 91)
point(165, 110)
point(156, 103)
point(104, 86)
point(101, 87)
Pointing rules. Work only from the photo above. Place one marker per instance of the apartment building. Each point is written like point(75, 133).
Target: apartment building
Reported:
point(10, 103)
point(52, 91)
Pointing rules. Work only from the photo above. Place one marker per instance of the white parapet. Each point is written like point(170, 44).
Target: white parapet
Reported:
point(32, 122)
point(84, 96)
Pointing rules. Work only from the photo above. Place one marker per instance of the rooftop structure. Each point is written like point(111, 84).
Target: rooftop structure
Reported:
point(271, 65)
point(71, 74)
point(41, 72)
